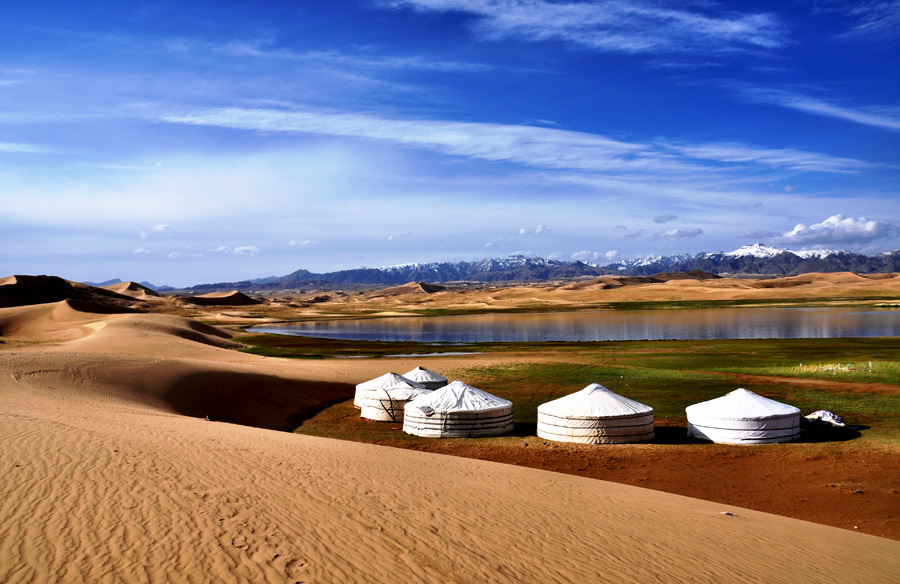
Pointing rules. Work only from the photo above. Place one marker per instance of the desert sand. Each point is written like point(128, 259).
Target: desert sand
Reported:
point(111, 473)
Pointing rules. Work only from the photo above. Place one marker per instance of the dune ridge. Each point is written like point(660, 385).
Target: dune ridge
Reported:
point(112, 475)
point(133, 289)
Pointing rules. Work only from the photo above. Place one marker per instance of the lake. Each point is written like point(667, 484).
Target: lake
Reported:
point(612, 325)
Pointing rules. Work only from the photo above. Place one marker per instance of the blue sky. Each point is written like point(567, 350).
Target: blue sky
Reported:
point(192, 142)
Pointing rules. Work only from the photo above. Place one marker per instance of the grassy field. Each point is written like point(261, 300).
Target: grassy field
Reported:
point(859, 379)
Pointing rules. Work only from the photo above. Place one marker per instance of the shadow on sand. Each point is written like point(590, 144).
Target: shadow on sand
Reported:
point(260, 401)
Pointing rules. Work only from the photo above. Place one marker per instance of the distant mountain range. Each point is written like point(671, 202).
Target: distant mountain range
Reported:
point(118, 281)
point(751, 260)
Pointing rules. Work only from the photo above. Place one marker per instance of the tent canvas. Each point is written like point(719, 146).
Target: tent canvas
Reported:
point(595, 415)
point(383, 398)
point(458, 410)
point(743, 417)
point(428, 378)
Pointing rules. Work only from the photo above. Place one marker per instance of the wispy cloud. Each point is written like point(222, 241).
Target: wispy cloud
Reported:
point(538, 147)
point(354, 60)
point(665, 218)
point(887, 118)
point(633, 26)
point(182, 255)
point(875, 21)
point(772, 157)
point(839, 230)
point(13, 147)
point(240, 250)
point(535, 146)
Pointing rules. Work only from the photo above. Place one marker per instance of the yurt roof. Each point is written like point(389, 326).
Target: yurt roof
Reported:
point(388, 381)
point(741, 404)
point(459, 397)
point(421, 374)
point(594, 401)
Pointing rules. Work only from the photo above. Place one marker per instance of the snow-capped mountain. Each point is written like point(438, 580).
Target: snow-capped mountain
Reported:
point(759, 250)
point(652, 262)
point(756, 259)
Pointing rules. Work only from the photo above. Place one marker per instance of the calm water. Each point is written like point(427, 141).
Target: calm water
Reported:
point(632, 325)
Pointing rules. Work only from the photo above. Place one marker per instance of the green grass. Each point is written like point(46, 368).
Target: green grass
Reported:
point(666, 375)
point(297, 347)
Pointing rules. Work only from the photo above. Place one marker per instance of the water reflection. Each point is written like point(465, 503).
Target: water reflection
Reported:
point(718, 323)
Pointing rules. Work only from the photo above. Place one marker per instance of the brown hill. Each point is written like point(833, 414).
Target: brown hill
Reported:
point(232, 298)
point(411, 288)
point(688, 275)
point(28, 290)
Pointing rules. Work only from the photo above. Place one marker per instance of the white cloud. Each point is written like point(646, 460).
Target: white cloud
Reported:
point(265, 49)
point(533, 231)
point(161, 228)
point(680, 233)
point(245, 250)
point(538, 147)
point(838, 229)
point(585, 256)
point(628, 26)
point(886, 118)
point(181, 255)
point(594, 257)
point(775, 158)
point(141, 250)
point(13, 147)
point(240, 250)
point(294, 242)
point(875, 21)
point(534, 146)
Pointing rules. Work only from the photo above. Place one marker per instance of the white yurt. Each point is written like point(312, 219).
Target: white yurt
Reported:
point(743, 417)
point(595, 415)
point(429, 379)
point(383, 398)
point(458, 410)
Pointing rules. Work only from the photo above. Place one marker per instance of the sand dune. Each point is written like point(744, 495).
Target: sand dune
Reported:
point(28, 290)
point(112, 475)
point(133, 289)
point(231, 298)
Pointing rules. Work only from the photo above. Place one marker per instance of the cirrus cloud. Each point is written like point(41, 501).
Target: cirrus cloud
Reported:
point(630, 26)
